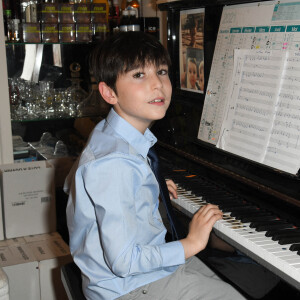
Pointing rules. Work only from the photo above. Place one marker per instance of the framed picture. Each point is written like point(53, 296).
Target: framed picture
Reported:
point(192, 50)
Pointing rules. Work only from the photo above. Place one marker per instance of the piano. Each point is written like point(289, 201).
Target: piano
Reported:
point(261, 205)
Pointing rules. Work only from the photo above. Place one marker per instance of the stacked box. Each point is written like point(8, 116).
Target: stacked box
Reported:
point(28, 198)
point(33, 265)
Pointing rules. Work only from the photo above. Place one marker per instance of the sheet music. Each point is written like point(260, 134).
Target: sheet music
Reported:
point(264, 25)
point(283, 151)
point(262, 121)
point(236, 31)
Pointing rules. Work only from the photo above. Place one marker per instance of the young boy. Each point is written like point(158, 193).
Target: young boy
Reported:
point(117, 237)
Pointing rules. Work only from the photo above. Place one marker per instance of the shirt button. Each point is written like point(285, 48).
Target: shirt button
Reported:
point(144, 292)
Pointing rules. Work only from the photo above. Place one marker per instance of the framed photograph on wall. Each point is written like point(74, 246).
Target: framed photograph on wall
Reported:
point(191, 50)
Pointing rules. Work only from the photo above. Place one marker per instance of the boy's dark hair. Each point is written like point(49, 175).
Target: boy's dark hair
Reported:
point(123, 52)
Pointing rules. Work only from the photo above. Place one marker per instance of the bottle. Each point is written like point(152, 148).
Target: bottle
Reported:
point(116, 9)
point(133, 5)
point(113, 18)
point(93, 104)
point(7, 25)
point(13, 30)
point(133, 21)
point(124, 22)
point(75, 93)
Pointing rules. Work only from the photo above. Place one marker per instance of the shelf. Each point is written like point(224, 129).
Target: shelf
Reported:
point(60, 43)
point(54, 119)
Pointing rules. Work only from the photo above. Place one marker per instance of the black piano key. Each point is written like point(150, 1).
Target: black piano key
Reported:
point(269, 226)
point(289, 240)
point(279, 235)
point(275, 232)
point(240, 208)
point(260, 216)
point(295, 247)
point(224, 201)
point(239, 212)
point(255, 224)
point(232, 207)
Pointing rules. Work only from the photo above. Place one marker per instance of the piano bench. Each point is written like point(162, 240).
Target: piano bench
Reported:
point(71, 279)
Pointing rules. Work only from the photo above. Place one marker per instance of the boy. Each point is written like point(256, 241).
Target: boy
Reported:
point(117, 237)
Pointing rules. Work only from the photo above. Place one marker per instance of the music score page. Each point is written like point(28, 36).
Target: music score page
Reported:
point(250, 105)
point(262, 122)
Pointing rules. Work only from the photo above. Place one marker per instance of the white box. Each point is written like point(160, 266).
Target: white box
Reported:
point(1, 217)
point(51, 255)
point(28, 198)
point(21, 268)
point(33, 269)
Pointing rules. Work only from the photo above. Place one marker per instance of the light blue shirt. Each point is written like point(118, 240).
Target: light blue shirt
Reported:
point(117, 237)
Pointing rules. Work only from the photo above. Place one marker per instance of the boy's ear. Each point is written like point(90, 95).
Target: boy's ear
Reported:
point(107, 93)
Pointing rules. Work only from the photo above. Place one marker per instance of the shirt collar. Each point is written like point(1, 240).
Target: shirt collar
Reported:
point(141, 142)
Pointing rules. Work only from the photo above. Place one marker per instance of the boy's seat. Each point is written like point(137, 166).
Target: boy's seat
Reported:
point(71, 279)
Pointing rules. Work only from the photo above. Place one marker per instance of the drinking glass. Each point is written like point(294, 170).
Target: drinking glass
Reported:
point(60, 100)
point(47, 101)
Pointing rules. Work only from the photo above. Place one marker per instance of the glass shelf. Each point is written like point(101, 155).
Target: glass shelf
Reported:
point(59, 43)
point(53, 119)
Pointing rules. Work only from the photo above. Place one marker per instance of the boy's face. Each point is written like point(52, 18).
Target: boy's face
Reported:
point(144, 95)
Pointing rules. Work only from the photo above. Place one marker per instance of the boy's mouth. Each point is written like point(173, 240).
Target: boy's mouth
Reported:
point(156, 101)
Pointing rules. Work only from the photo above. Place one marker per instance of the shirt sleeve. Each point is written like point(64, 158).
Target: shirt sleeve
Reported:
point(113, 186)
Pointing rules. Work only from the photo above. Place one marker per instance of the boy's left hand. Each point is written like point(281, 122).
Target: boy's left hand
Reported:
point(172, 188)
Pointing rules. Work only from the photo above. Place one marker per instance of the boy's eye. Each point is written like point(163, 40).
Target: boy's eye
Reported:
point(162, 72)
point(138, 75)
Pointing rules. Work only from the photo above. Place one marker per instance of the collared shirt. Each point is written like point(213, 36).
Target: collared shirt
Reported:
point(117, 237)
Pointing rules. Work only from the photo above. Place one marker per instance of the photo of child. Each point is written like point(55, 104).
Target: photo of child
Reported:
point(192, 50)
point(192, 78)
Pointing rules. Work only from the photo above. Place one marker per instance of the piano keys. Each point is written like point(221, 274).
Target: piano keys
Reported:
point(257, 232)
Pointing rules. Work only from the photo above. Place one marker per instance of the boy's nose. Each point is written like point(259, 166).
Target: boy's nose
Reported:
point(156, 81)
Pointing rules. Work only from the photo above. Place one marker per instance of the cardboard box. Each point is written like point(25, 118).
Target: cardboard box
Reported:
point(33, 269)
point(28, 196)
point(12, 242)
point(41, 237)
point(51, 255)
point(21, 268)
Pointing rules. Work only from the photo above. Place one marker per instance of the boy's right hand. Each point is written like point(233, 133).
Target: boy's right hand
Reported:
point(200, 228)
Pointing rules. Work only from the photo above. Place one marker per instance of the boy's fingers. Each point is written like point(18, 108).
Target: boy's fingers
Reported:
point(172, 188)
point(205, 209)
point(171, 183)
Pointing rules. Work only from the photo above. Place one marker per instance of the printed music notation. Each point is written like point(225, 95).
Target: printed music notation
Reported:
point(269, 25)
point(263, 114)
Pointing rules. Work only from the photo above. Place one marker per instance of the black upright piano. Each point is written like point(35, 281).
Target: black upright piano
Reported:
point(264, 197)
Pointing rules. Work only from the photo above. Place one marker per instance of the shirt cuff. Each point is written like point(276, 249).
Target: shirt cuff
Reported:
point(172, 254)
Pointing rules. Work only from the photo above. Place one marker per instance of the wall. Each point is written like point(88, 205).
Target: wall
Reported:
point(6, 152)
